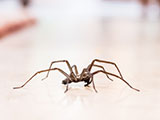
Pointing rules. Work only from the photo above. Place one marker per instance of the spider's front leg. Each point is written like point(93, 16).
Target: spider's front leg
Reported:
point(101, 71)
point(89, 80)
point(87, 83)
point(103, 61)
point(93, 85)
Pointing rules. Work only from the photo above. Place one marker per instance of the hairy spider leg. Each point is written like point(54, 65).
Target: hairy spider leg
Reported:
point(75, 68)
point(69, 66)
point(103, 61)
point(65, 74)
point(103, 70)
point(116, 77)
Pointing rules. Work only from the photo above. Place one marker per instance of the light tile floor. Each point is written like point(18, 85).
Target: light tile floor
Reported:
point(134, 44)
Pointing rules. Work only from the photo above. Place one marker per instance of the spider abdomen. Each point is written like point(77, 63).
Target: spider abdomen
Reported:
point(65, 81)
point(86, 80)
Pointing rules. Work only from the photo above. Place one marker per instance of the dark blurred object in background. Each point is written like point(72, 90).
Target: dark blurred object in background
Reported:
point(25, 3)
point(144, 7)
point(145, 4)
point(158, 2)
point(15, 25)
point(14, 17)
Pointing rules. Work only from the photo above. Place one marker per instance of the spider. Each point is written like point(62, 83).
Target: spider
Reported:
point(86, 76)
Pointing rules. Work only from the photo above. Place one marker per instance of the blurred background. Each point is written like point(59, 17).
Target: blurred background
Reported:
point(35, 32)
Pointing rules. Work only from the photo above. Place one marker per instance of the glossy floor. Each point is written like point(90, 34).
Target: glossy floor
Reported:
point(133, 43)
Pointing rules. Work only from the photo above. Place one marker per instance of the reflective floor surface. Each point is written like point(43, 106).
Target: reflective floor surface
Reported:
point(131, 42)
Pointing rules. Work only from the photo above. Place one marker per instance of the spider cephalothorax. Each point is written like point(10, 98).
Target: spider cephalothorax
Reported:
point(85, 76)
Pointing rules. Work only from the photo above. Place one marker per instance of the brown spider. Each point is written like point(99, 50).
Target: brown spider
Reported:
point(86, 75)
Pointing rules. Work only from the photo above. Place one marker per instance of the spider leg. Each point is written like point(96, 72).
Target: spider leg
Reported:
point(65, 74)
point(75, 68)
point(69, 66)
point(103, 61)
point(86, 85)
point(101, 71)
point(91, 81)
point(93, 84)
point(66, 88)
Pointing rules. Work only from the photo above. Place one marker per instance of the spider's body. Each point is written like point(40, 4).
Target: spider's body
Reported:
point(86, 76)
point(86, 80)
point(83, 77)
